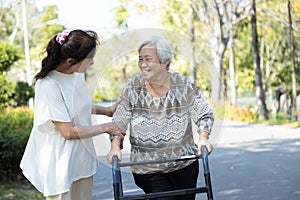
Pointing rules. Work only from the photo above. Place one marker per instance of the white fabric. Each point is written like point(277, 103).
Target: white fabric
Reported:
point(80, 190)
point(50, 162)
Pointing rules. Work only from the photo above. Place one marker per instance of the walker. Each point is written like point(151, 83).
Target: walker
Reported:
point(117, 179)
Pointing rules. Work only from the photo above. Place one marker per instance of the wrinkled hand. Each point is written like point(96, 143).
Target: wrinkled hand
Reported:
point(114, 129)
point(114, 151)
point(206, 143)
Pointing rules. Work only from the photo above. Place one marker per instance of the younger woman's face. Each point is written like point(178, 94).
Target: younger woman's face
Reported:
point(84, 65)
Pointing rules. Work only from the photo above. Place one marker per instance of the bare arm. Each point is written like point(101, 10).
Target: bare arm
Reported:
point(70, 132)
point(108, 111)
point(102, 110)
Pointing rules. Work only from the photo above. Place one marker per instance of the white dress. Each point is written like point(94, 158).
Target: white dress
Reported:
point(50, 162)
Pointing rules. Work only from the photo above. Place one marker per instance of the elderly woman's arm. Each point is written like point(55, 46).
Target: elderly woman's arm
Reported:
point(115, 149)
point(202, 115)
point(122, 117)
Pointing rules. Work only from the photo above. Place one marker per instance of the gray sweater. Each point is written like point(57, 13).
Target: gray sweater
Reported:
point(162, 127)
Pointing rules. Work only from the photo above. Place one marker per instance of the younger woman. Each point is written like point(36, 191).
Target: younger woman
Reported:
point(60, 158)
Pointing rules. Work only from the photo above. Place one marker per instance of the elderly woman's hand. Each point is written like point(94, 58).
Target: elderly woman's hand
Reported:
point(114, 151)
point(203, 141)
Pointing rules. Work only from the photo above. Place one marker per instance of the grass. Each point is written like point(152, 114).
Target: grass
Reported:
point(279, 119)
point(21, 190)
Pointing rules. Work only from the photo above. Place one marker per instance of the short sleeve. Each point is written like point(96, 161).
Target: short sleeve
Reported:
point(49, 106)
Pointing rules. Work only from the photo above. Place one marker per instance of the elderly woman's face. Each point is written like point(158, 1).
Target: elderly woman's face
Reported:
point(149, 63)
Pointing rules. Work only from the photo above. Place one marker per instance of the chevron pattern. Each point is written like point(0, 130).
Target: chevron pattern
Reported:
point(162, 127)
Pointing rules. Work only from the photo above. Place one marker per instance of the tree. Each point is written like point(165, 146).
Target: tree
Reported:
point(275, 51)
point(259, 91)
point(218, 18)
point(6, 21)
point(121, 14)
point(45, 26)
point(193, 72)
point(8, 55)
point(292, 47)
point(215, 23)
point(15, 91)
point(6, 92)
point(231, 58)
point(121, 17)
point(9, 21)
point(39, 32)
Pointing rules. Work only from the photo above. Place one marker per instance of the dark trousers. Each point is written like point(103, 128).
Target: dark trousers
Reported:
point(159, 182)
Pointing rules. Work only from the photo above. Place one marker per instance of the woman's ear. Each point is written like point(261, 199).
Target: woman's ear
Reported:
point(71, 61)
point(166, 63)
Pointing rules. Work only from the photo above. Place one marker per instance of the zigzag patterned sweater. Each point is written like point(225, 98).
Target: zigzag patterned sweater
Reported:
point(162, 127)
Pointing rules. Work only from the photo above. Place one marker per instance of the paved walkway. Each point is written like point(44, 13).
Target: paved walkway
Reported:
point(249, 162)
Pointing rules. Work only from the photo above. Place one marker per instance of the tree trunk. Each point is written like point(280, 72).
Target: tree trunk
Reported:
point(218, 42)
point(193, 75)
point(225, 85)
point(231, 63)
point(259, 91)
point(17, 25)
point(217, 73)
point(294, 91)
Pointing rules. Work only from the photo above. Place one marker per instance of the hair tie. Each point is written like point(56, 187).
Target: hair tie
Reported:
point(60, 38)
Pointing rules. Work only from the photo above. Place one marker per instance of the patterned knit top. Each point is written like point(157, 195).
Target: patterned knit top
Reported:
point(162, 127)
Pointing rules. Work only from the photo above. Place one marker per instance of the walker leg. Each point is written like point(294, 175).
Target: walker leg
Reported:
point(208, 185)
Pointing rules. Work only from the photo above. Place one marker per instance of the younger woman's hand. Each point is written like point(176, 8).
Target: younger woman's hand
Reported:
point(113, 129)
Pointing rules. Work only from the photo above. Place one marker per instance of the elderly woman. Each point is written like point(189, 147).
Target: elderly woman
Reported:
point(158, 107)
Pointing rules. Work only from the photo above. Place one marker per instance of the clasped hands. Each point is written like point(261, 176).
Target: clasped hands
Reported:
point(114, 130)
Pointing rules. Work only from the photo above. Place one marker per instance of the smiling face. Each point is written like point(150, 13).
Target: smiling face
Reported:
point(149, 64)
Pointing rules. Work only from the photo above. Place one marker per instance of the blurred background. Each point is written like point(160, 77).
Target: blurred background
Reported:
point(243, 55)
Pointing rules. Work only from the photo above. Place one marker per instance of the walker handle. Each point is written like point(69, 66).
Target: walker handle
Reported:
point(115, 169)
point(204, 159)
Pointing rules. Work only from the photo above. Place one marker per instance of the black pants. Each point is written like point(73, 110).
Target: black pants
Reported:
point(159, 182)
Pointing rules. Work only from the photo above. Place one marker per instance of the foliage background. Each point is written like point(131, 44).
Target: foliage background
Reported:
point(116, 60)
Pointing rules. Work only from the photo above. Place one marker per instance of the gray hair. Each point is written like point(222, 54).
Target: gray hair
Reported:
point(163, 49)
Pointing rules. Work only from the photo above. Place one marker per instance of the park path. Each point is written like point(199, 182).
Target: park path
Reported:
point(249, 162)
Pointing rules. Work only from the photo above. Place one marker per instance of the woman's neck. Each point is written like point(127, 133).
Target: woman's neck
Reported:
point(65, 67)
point(159, 88)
